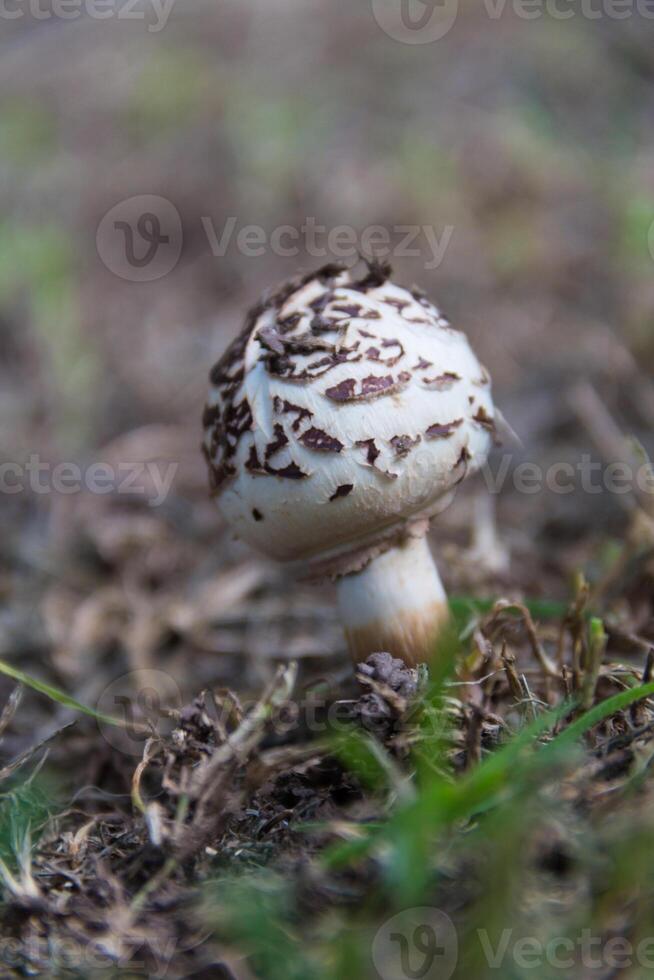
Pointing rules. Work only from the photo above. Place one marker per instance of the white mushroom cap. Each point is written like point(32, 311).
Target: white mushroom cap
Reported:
point(345, 409)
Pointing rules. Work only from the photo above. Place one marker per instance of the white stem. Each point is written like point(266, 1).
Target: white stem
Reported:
point(396, 603)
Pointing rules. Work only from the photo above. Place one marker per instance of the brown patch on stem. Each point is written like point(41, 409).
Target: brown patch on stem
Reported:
point(412, 636)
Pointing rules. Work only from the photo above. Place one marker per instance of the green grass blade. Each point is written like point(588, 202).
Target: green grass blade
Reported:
point(462, 606)
point(601, 711)
point(60, 697)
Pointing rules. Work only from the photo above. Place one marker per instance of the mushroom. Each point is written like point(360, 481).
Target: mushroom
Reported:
point(338, 424)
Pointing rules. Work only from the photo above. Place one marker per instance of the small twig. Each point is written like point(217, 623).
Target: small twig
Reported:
point(10, 708)
point(246, 736)
point(512, 675)
point(473, 737)
point(151, 886)
point(399, 782)
point(25, 756)
point(529, 697)
point(537, 648)
point(150, 750)
point(610, 441)
point(597, 640)
point(638, 710)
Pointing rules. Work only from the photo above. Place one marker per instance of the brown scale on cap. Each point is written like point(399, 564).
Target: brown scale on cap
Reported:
point(372, 451)
point(404, 444)
point(290, 472)
point(322, 324)
point(225, 428)
point(399, 304)
point(318, 439)
point(443, 382)
point(223, 437)
point(279, 442)
point(282, 365)
point(375, 354)
point(306, 343)
point(210, 415)
point(379, 272)
point(273, 341)
point(373, 386)
point(372, 455)
point(356, 311)
point(218, 472)
point(253, 463)
point(443, 430)
point(319, 304)
point(481, 417)
point(282, 406)
point(288, 323)
point(342, 491)
point(463, 463)
point(420, 295)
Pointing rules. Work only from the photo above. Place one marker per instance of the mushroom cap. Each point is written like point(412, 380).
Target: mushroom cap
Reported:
point(345, 409)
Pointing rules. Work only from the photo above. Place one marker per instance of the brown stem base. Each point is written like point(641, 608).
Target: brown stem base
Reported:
point(395, 604)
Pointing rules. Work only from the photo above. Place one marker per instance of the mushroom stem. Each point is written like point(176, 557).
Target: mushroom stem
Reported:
point(396, 603)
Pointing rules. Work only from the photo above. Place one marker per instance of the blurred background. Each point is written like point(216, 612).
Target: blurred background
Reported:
point(519, 150)
point(163, 163)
